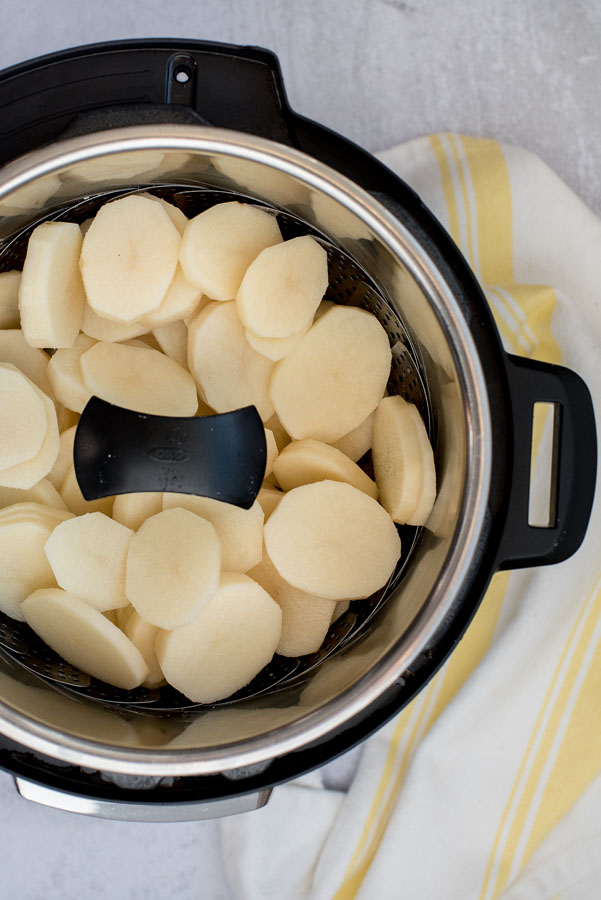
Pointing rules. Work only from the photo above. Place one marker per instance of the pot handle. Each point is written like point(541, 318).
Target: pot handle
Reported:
point(573, 470)
point(129, 811)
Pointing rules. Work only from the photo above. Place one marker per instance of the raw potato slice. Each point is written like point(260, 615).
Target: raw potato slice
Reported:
point(282, 438)
point(173, 567)
point(22, 418)
point(403, 462)
point(133, 509)
point(26, 474)
point(51, 295)
point(333, 541)
point(226, 645)
point(140, 379)
point(43, 492)
point(357, 442)
point(340, 609)
point(274, 348)
point(305, 619)
point(84, 637)
point(76, 502)
point(30, 197)
point(143, 635)
point(334, 377)
point(128, 258)
point(9, 299)
point(229, 373)
point(64, 460)
point(33, 362)
point(118, 167)
point(272, 450)
point(303, 462)
point(102, 329)
point(173, 341)
point(23, 564)
point(240, 531)
point(268, 498)
point(219, 245)
point(64, 374)
point(283, 287)
point(87, 555)
point(174, 212)
point(32, 510)
point(181, 299)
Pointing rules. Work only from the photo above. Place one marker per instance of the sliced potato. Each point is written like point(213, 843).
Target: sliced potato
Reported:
point(118, 168)
point(173, 567)
point(333, 541)
point(275, 348)
point(9, 299)
point(231, 639)
point(140, 379)
point(143, 636)
point(174, 212)
point(181, 299)
point(22, 418)
point(133, 509)
point(334, 377)
point(357, 442)
point(51, 295)
point(268, 498)
point(128, 258)
point(219, 245)
point(23, 564)
point(26, 474)
point(240, 531)
point(64, 460)
point(173, 341)
point(229, 373)
point(84, 637)
point(403, 462)
point(43, 492)
point(283, 287)
point(33, 362)
point(76, 502)
point(303, 462)
point(64, 374)
point(87, 555)
point(305, 619)
point(272, 450)
point(33, 510)
point(102, 329)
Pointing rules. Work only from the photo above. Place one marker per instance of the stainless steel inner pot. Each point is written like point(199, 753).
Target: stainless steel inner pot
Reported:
point(83, 732)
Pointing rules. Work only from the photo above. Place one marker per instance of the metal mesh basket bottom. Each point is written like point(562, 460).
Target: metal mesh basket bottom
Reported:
point(348, 285)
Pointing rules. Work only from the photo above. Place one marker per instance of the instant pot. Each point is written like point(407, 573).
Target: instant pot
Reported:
point(198, 122)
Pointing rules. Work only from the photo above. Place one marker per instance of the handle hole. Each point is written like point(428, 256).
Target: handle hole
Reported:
point(542, 499)
point(182, 75)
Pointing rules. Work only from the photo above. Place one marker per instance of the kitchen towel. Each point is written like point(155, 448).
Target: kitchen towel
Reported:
point(488, 785)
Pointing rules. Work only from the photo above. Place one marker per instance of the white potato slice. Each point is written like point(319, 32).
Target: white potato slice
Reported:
point(84, 637)
point(357, 442)
point(173, 567)
point(102, 329)
point(87, 555)
point(30, 197)
point(51, 295)
point(22, 418)
point(35, 510)
point(279, 432)
point(64, 374)
point(43, 492)
point(305, 619)
point(173, 341)
point(303, 462)
point(25, 474)
point(143, 636)
point(64, 460)
point(340, 609)
point(231, 639)
point(118, 168)
point(403, 462)
point(133, 509)
point(333, 541)
point(240, 531)
point(128, 258)
point(140, 379)
point(181, 299)
point(33, 362)
point(75, 501)
point(283, 287)
point(179, 219)
point(9, 299)
point(229, 373)
point(220, 243)
point(334, 377)
point(275, 348)
point(23, 564)
point(272, 450)
point(268, 498)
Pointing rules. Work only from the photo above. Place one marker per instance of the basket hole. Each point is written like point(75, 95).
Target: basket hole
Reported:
point(182, 75)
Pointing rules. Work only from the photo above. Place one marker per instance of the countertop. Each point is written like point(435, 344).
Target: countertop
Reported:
point(380, 72)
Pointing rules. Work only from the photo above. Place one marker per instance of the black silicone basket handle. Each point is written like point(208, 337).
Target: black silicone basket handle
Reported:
point(574, 464)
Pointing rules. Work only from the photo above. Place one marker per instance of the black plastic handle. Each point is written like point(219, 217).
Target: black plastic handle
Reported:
point(120, 83)
point(574, 464)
